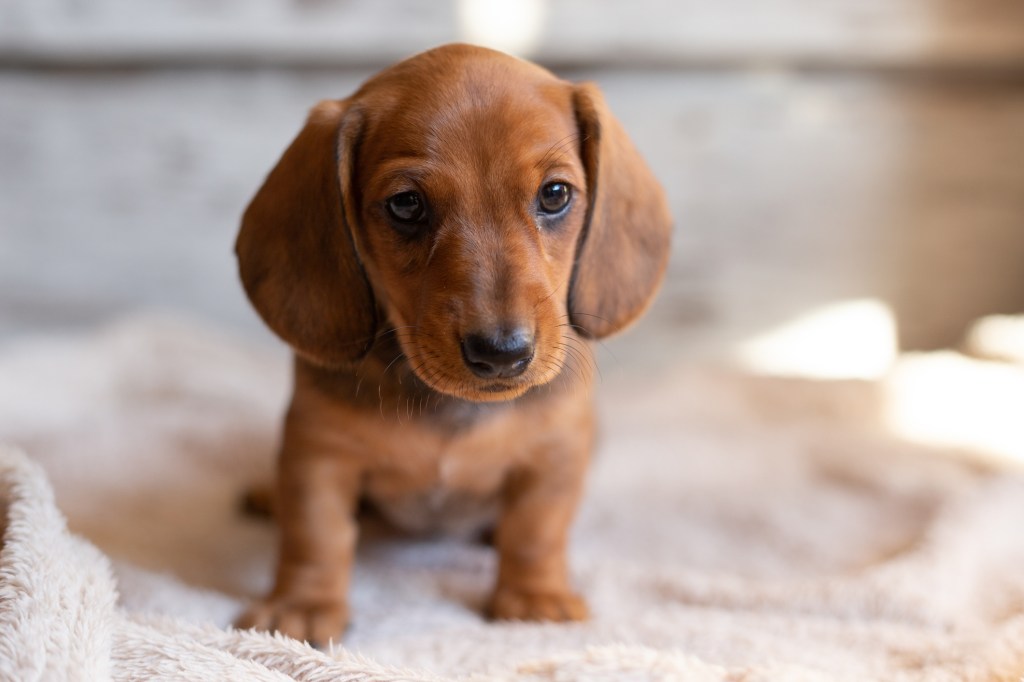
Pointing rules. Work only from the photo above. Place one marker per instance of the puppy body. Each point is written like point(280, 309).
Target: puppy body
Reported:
point(435, 463)
point(436, 249)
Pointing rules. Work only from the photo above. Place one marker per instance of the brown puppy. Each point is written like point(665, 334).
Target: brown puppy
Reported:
point(435, 249)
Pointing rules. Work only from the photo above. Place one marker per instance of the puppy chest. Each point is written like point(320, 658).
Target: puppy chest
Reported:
point(450, 493)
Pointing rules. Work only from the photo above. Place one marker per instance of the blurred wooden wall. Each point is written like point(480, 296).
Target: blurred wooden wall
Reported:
point(814, 151)
point(672, 33)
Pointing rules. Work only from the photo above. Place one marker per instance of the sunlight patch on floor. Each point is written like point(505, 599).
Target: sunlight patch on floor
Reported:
point(952, 401)
point(854, 339)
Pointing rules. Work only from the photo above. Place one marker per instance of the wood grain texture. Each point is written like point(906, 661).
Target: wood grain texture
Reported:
point(124, 191)
point(326, 32)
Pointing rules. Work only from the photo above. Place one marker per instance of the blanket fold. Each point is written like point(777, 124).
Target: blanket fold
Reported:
point(59, 618)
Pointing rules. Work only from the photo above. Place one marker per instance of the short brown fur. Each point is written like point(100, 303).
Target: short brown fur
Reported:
point(385, 406)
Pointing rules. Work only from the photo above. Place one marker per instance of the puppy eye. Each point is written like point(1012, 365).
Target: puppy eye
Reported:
point(407, 207)
point(554, 197)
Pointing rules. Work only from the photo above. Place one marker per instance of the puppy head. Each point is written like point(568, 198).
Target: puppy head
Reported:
point(484, 210)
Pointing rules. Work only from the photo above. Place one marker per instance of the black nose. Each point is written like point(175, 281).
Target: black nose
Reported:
point(503, 354)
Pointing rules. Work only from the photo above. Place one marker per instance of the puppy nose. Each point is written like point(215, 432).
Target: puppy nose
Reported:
point(503, 354)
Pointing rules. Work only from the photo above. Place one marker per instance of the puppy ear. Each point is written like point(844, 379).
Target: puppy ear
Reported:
point(296, 255)
point(624, 246)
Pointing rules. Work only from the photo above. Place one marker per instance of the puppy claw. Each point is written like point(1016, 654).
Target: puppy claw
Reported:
point(508, 604)
point(314, 623)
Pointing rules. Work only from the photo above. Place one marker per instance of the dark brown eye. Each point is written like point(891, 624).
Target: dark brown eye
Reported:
point(407, 207)
point(554, 197)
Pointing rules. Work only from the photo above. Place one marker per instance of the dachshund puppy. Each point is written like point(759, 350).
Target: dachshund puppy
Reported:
point(437, 249)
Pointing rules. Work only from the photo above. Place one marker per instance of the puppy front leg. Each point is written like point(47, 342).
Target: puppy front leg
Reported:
point(531, 539)
point(316, 500)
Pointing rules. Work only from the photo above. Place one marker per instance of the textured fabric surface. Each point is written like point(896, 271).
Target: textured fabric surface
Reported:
point(736, 528)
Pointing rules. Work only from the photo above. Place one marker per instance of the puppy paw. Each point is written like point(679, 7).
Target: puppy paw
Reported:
point(316, 623)
point(511, 604)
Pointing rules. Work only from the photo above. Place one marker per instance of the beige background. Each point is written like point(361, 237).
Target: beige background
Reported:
point(815, 153)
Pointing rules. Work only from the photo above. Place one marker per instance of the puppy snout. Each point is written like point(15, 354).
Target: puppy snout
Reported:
point(503, 354)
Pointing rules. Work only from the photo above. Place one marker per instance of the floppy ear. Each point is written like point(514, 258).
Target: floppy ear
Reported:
point(296, 256)
point(624, 246)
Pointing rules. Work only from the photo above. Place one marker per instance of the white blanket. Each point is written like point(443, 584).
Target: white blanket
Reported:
point(736, 528)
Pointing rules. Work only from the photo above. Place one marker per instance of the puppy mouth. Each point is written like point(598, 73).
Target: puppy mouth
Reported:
point(459, 383)
point(449, 371)
point(498, 387)
point(497, 391)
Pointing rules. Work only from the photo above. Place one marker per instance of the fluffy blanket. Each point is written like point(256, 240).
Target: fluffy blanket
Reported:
point(736, 528)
